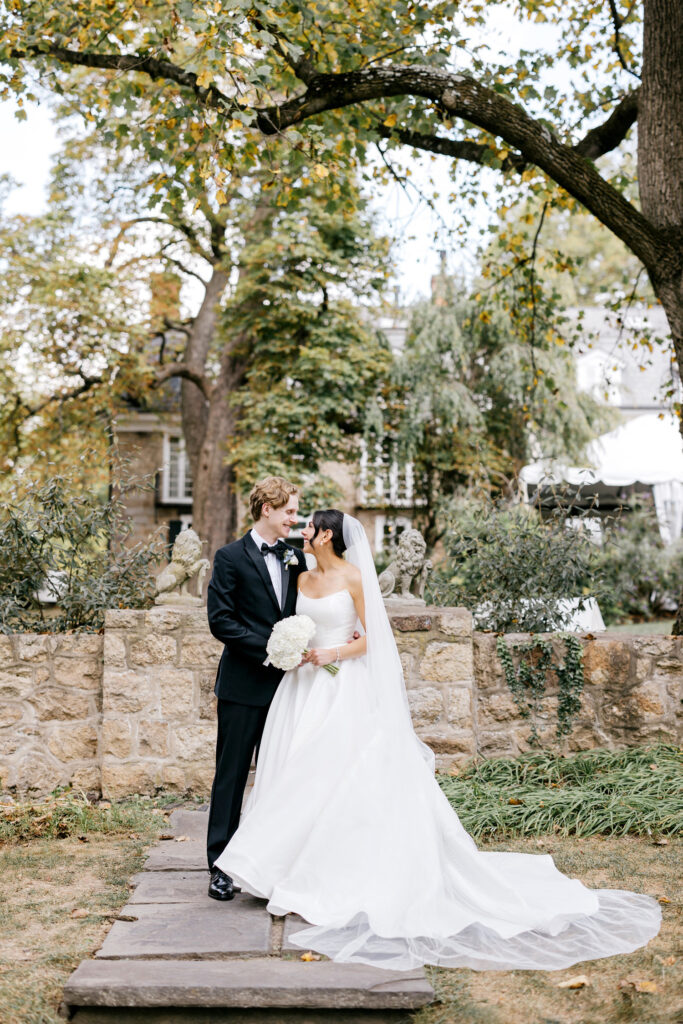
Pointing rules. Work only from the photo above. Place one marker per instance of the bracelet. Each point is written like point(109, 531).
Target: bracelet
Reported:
point(338, 657)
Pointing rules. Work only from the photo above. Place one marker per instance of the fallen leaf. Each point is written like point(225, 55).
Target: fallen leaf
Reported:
point(166, 835)
point(663, 899)
point(638, 984)
point(181, 839)
point(661, 842)
point(514, 800)
point(668, 961)
point(578, 981)
point(310, 956)
point(104, 804)
point(83, 839)
point(79, 912)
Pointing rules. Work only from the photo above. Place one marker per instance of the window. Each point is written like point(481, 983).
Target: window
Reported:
point(176, 478)
point(384, 482)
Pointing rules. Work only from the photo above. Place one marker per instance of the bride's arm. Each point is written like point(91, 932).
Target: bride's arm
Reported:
point(326, 655)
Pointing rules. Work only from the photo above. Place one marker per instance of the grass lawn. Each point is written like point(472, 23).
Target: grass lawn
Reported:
point(643, 628)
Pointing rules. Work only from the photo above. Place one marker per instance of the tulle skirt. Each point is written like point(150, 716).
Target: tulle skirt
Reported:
point(347, 826)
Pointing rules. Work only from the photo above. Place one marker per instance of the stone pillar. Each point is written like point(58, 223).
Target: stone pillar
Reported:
point(435, 645)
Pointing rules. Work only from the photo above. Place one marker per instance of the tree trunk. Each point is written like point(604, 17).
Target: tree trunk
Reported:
point(660, 158)
point(194, 406)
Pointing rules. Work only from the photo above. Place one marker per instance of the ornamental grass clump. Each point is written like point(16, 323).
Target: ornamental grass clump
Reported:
point(64, 814)
point(597, 792)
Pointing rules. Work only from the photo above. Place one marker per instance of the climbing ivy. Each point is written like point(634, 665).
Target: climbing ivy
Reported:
point(527, 681)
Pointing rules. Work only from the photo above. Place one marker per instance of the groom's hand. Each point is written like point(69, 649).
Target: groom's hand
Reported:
point(356, 636)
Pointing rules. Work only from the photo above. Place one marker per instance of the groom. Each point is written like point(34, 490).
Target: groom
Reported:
point(253, 586)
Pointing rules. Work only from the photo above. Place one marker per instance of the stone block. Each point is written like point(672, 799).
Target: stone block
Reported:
point(53, 704)
point(648, 699)
point(6, 652)
point(116, 737)
point(199, 777)
point(412, 623)
point(498, 707)
point(488, 671)
point(123, 618)
point(125, 691)
point(459, 706)
point(16, 684)
point(10, 714)
point(173, 778)
point(81, 644)
point(164, 620)
point(87, 778)
point(449, 741)
point(350, 992)
point(608, 663)
point(448, 764)
point(37, 775)
point(654, 646)
point(195, 744)
point(11, 740)
point(82, 673)
point(456, 622)
point(176, 692)
point(119, 780)
point(495, 744)
point(447, 662)
point(408, 666)
point(426, 705)
point(153, 650)
point(152, 739)
point(170, 856)
point(169, 886)
point(201, 650)
point(207, 699)
point(73, 742)
point(35, 647)
point(114, 650)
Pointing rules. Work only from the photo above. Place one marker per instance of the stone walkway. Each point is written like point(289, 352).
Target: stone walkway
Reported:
point(174, 956)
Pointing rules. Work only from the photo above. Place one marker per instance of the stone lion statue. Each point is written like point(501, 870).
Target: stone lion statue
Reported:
point(186, 563)
point(408, 565)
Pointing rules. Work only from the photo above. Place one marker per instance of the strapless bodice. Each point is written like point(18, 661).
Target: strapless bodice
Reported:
point(334, 616)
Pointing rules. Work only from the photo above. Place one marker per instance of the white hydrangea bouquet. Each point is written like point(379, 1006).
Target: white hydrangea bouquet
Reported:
point(289, 641)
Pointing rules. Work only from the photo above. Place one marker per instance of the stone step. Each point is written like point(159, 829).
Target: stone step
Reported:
point(264, 983)
point(172, 930)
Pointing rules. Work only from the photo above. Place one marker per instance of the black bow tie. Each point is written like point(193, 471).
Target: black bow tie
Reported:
point(277, 549)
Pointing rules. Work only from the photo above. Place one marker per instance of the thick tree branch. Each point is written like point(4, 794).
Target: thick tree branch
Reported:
point(607, 136)
point(185, 371)
point(457, 149)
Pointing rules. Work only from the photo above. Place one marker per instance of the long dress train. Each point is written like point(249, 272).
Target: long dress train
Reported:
point(351, 831)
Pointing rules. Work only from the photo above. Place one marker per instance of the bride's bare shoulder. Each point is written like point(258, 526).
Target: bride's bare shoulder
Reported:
point(352, 577)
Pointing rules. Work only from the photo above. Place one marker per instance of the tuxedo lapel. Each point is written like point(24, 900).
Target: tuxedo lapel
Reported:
point(260, 565)
point(290, 587)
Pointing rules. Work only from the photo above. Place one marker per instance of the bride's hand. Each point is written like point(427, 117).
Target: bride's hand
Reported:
point(321, 656)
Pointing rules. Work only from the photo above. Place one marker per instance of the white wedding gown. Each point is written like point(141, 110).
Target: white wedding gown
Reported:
point(352, 832)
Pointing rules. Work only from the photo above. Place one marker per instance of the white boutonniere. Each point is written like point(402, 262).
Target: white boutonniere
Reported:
point(288, 557)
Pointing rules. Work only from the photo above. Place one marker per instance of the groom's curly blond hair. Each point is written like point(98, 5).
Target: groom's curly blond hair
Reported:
point(272, 490)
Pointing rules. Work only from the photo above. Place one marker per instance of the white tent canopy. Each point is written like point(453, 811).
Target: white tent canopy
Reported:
point(645, 450)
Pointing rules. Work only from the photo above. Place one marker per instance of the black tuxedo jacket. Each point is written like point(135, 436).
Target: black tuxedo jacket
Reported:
point(243, 609)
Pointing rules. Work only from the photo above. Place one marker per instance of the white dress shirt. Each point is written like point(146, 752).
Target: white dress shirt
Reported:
point(273, 565)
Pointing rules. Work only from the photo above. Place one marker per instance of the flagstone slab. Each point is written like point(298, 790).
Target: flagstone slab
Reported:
point(192, 824)
point(244, 983)
point(170, 855)
point(239, 927)
point(293, 923)
point(170, 887)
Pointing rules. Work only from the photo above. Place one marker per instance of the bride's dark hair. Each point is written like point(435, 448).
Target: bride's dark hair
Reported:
point(331, 519)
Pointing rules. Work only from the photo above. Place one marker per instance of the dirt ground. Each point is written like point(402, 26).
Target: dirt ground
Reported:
point(57, 899)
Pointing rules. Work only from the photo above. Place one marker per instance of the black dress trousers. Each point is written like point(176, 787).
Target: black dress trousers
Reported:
point(240, 727)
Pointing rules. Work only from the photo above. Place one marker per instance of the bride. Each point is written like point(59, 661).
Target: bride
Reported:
point(347, 826)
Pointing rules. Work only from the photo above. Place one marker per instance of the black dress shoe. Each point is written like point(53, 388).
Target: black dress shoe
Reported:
point(220, 886)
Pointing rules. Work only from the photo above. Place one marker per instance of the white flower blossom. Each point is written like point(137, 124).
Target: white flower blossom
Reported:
point(289, 641)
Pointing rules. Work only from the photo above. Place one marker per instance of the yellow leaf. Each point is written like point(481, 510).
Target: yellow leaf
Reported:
point(309, 956)
point(221, 197)
point(578, 981)
point(204, 78)
point(390, 121)
point(238, 49)
point(320, 171)
point(646, 986)
point(79, 912)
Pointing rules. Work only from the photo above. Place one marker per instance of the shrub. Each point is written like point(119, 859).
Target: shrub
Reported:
point(54, 536)
point(511, 567)
point(642, 575)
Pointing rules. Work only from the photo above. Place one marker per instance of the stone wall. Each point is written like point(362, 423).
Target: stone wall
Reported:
point(134, 711)
point(633, 694)
point(50, 711)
